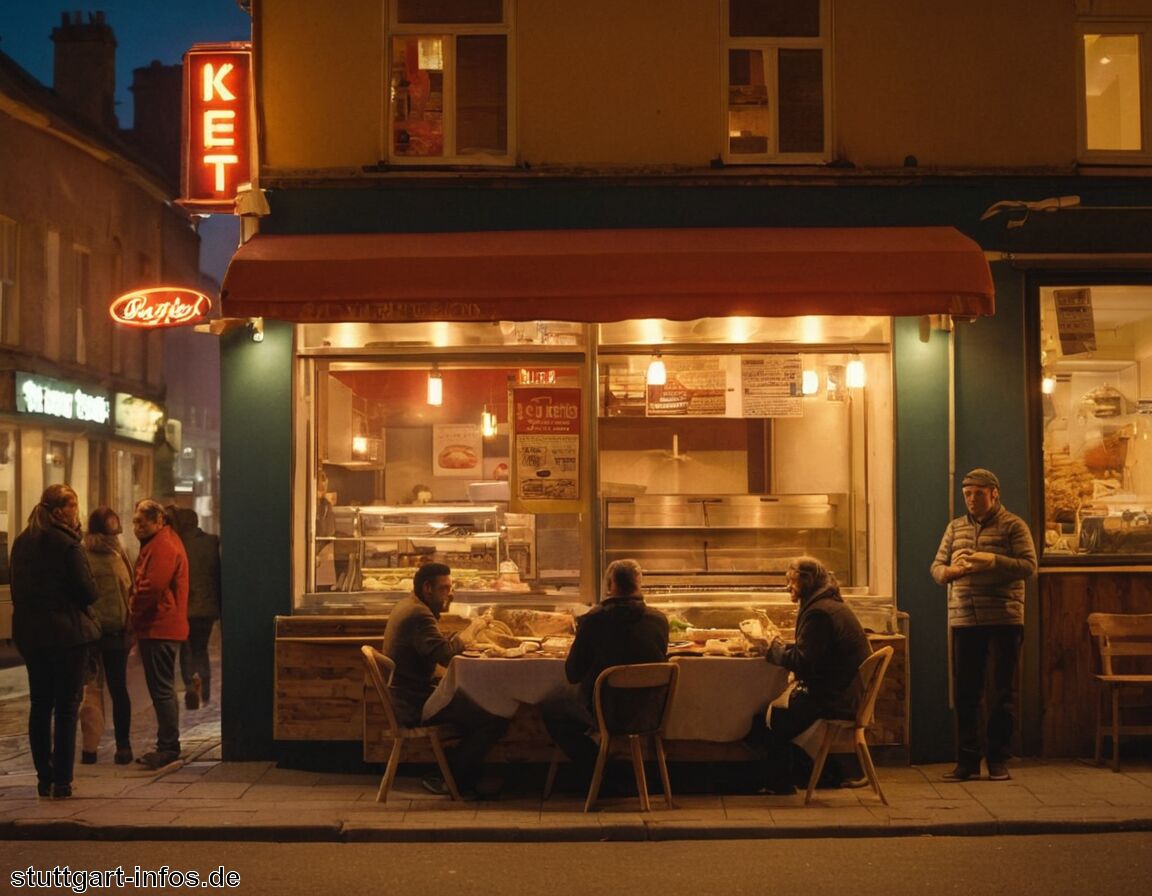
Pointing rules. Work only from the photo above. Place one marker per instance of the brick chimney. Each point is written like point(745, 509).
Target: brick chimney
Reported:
point(157, 91)
point(84, 73)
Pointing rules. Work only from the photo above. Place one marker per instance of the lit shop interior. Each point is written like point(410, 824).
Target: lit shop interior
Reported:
point(528, 456)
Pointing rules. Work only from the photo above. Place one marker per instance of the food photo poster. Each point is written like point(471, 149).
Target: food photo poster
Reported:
point(457, 449)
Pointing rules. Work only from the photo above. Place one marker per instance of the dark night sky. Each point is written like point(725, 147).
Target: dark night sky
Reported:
point(145, 30)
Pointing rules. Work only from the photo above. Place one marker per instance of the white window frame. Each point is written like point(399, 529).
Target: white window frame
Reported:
point(9, 281)
point(1143, 31)
point(771, 47)
point(452, 31)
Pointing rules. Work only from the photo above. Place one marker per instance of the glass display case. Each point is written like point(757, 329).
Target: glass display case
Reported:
point(376, 550)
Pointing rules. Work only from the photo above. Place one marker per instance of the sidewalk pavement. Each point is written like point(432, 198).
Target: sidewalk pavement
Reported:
point(205, 798)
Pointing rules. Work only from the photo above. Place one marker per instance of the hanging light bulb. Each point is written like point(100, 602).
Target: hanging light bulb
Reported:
point(854, 375)
point(1048, 385)
point(487, 423)
point(809, 382)
point(657, 373)
point(435, 388)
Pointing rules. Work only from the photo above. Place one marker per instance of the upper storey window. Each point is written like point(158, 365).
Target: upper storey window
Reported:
point(776, 68)
point(1115, 86)
point(449, 82)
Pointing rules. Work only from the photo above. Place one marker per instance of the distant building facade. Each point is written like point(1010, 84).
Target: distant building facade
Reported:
point(85, 215)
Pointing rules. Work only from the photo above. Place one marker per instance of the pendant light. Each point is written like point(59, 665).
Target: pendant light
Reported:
point(854, 375)
point(435, 388)
point(657, 373)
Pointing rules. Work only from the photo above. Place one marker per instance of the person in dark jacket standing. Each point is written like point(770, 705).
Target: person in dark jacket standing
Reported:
point(985, 557)
point(52, 590)
point(159, 612)
point(830, 645)
point(620, 630)
point(203, 550)
point(112, 572)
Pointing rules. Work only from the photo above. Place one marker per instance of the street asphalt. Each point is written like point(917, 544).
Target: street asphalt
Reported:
point(203, 798)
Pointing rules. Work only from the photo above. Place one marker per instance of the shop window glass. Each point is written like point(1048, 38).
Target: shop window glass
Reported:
point(1115, 89)
point(777, 84)
point(57, 462)
point(397, 482)
point(449, 88)
point(9, 279)
point(1096, 390)
point(9, 522)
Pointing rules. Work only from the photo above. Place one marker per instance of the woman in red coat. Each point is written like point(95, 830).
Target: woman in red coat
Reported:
point(159, 613)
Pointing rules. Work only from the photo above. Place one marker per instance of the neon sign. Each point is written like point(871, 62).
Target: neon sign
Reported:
point(56, 398)
point(161, 306)
point(217, 120)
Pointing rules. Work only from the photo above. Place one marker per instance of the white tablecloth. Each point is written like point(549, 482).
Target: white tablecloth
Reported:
point(716, 697)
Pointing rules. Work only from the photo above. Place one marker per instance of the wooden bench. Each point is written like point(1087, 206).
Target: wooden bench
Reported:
point(1124, 642)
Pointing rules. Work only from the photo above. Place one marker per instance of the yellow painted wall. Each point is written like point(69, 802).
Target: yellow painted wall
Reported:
point(319, 79)
point(604, 84)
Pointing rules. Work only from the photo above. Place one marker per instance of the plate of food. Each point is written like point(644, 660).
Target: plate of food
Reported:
point(676, 645)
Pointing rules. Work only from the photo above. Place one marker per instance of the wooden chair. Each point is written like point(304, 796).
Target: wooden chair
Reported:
point(868, 681)
point(380, 670)
point(1124, 642)
point(630, 701)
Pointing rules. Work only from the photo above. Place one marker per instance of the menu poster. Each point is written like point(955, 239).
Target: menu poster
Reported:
point(546, 443)
point(771, 386)
point(696, 387)
point(1075, 321)
point(457, 450)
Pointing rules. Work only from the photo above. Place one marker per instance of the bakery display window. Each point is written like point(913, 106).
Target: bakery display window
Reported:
point(1096, 385)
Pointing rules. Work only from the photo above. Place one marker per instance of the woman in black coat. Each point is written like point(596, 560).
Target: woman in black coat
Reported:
point(52, 590)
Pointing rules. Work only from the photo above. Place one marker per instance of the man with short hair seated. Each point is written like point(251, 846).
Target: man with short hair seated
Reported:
point(416, 645)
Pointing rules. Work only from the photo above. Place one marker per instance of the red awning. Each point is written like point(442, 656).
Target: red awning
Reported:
point(596, 276)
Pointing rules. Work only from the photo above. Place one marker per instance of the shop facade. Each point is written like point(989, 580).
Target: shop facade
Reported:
point(507, 285)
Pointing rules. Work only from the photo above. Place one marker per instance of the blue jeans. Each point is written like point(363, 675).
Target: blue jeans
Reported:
point(55, 683)
point(159, 660)
point(977, 651)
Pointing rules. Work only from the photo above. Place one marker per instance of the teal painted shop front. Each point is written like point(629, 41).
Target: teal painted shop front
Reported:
point(993, 382)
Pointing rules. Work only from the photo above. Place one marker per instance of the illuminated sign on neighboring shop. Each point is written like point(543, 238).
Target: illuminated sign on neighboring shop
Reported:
point(217, 125)
point(137, 418)
point(161, 306)
point(56, 398)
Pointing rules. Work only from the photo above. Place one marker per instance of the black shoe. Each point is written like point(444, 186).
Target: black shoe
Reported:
point(962, 772)
point(998, 771)
point(61, 791)
point(123, 755)
point(191, 700)
point(87, 757)
point(158, 759)
point(44, 789)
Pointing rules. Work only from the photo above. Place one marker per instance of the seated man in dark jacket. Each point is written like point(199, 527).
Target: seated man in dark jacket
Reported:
point(830, 646)
point(620, 630)
point(416, 645)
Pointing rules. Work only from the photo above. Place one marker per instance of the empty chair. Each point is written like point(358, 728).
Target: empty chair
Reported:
point(1124, 642)
point(380, 669)
point(630, 701)
point(868, 681)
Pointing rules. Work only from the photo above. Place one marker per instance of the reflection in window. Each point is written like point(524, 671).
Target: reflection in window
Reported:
point(1097, 420)
point(1112, 92)
point(776, 80)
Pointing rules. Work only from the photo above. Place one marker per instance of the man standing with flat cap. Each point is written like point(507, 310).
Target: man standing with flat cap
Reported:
point(985, 557)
